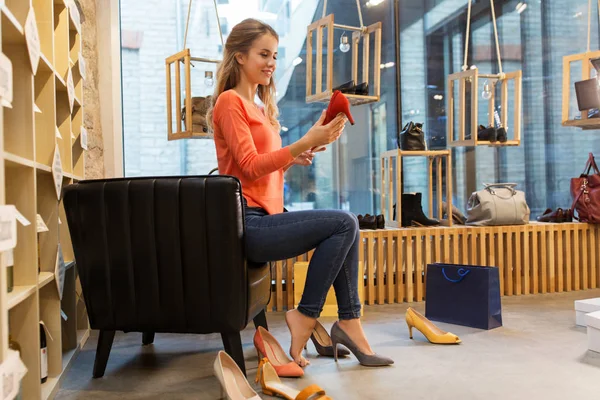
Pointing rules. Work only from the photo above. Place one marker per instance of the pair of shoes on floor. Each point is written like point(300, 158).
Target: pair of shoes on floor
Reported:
point(362, 89)
point(412, 211)
point(559, 215)
point(434, 334)
point(371, 221)
point(235, 386)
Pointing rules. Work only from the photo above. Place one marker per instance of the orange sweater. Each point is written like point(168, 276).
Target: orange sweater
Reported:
point(249, 148)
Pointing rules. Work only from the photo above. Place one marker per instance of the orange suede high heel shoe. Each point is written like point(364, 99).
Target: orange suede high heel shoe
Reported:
point(268, 347)
point(272, 385)
point(338, 104)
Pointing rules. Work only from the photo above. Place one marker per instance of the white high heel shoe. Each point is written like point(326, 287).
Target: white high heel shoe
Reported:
point(234, 385)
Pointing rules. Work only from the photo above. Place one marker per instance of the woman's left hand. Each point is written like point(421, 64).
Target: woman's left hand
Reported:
point(304, 158)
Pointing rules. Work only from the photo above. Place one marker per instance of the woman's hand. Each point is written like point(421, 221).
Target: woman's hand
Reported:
point(319, 135)
point(305, 158)
point(322, 135)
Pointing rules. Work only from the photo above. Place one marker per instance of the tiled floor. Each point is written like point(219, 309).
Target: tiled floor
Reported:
point(539, 353)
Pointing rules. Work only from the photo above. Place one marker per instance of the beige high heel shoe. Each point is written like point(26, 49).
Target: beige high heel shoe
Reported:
point(234, 385)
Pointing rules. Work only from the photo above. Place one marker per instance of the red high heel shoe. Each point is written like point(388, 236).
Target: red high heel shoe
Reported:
point(338, 104)
point(268, 347)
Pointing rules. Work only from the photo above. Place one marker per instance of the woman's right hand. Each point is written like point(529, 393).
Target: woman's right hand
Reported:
point(322, 135)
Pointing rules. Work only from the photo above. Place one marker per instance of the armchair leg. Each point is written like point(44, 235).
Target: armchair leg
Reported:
point(233, 346)
point(261, 320)
point(105, 341)
point(147, 338)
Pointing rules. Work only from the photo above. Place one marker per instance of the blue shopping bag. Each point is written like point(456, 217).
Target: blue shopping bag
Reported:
point(466, 295)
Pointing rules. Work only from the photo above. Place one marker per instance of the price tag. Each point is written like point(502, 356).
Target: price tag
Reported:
point(33, 40)
point(74, 12)
point(8, 227)
point(70, 89)
point(82, 66)
point(59, 271)
point(6, 81)
point(21, 218)
point(83, 138)
point(57, 171)
point(41, 225)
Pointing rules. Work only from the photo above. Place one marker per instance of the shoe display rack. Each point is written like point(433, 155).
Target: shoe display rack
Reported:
point(43, 144)
point(391, 183)
point(584, 122)
point(314, 77)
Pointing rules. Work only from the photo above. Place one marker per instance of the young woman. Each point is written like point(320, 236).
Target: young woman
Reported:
point(249, 147)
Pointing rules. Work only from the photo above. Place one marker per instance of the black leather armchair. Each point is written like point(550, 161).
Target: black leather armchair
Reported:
point(165, 255)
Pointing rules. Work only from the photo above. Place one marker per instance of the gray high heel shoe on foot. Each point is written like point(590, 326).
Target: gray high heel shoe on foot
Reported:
point(338, 336)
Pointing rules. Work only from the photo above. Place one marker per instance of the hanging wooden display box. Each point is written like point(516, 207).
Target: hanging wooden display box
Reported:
point(467, 130)
point(316, 93)
point(391, 184)
point(184, 58)
point(584, 123)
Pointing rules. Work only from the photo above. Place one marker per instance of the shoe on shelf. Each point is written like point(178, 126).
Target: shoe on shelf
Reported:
point(380, 221)
point(322, 342)
point(501, 135)
point(434, 334)
point(488, 134)
point(234, 385)
point(412, 211)
point(362, 89)
point(347, 87)
point(338, 104)
point(268, 347)
point(367, 222)
point(272, 386)
point(569, 215)
point(552, 216)
point(457, 216)
point(338, 336)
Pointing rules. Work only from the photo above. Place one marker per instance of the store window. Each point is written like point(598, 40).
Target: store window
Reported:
point(534, 36)
point(345, 176)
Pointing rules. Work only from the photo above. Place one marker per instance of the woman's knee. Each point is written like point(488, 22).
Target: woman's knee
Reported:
point(348, 220)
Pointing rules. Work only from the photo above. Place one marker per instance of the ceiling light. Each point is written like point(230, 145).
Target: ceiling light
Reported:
point(297, 61)
point(284, 128)
point(522, 6)
point(373, 3)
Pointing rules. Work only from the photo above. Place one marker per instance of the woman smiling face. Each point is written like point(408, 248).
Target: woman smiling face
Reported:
point(259, 64)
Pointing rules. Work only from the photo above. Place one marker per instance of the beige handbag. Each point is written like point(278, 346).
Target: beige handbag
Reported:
point(497, 204)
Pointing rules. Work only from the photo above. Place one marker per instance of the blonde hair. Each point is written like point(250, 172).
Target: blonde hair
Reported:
point(240, 40)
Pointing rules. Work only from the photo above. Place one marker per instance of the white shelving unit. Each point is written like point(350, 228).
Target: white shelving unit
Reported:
point(40, 120)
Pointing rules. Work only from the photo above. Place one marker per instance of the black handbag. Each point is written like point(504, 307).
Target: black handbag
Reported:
point(412, 137)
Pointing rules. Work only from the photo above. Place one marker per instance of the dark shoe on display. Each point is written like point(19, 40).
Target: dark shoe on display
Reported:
point(552, 216)
point(501, 135)
point(338, 336)
point(362, 89)
point(488, 134)
point(348, 87)
point(412, 211)
point(367, 222)
point(569, 215)
point(380, 221)
point(338, 104)
point(412, 137)
point(322, 341)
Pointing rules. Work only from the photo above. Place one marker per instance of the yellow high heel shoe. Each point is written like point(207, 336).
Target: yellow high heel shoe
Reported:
point(272, 385)
point(434, 334)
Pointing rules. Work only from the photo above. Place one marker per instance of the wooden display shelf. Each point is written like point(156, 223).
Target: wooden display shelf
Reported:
point(45, 278)
point(12, 30)
point(584, 124)
point(28, 138)
point(354, 99)
point(19, 294)
point(391, 183)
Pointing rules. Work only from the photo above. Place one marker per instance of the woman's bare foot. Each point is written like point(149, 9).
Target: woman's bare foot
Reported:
point(300, 327)
point(354, 330)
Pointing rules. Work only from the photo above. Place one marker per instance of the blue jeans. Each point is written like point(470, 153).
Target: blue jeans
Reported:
point(334, 235)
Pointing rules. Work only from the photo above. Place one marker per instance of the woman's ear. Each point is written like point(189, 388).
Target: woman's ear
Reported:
point(240, 58)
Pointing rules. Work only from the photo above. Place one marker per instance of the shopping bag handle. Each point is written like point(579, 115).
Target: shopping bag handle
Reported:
point(461, 272)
